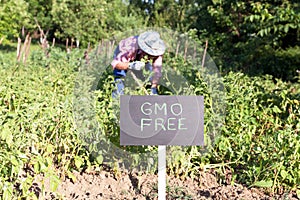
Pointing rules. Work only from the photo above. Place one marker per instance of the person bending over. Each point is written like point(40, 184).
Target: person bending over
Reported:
point(135, 53)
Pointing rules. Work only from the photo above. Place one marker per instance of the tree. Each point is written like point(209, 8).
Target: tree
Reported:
point(175, 14)
point(252, 35)
point(13, 16)
point(40, 11)
point(92, 20)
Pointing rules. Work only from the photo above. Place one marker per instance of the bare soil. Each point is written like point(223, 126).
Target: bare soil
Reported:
point(107, 185)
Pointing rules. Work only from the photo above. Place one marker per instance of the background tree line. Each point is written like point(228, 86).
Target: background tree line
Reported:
point(253, 36)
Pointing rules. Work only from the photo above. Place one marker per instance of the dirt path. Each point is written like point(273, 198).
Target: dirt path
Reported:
point(105, 185)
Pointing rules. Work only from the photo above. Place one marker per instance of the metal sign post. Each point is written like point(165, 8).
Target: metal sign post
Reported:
point(162, 172)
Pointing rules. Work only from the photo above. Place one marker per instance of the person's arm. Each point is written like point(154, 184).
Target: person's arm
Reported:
point(125, 53)
point(157, 66)
point(135, 65)
point(122, 65)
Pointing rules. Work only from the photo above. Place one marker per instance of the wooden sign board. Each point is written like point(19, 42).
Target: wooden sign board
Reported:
point(161, 120)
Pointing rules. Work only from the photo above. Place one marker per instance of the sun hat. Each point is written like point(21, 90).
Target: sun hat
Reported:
point(151, 43)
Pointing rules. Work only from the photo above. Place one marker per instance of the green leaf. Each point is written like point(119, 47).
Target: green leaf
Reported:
point(54, 182)
point(286, 28)
point(99, 159)
point(261, 32)
point(71, 176)
point(14, 160)
point(276, 109)
point(49, 148)
point(264, 184)
point(298, 193)
point(6, 135)
point(283, 174)
point(8, 190)
point(251, 18)
point(78, 162)
point(36, 167)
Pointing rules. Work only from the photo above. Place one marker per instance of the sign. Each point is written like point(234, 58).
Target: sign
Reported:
point(161, 120)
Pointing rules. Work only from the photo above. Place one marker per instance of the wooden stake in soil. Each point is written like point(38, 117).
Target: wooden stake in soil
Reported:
point(67, 44)
point(177, 48)
point(23, 50)
point(19, 49)
point(204, 54)
point(185, 49)
point(27, 50)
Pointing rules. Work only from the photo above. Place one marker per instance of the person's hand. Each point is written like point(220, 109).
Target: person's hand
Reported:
point(154, 91)
point(136, 65)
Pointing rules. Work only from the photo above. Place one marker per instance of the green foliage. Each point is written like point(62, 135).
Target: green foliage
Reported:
point(36, 132)
point(261, 134)
point(91, 21)
point(259, 143)
point(177, 15)
point(282, 63)
point(13, 15)
point(260, 138)
point(86, 21)
point(246, 36)
point(275, 18)
point(41, 11)
point(82, 20)
point(243, 36)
